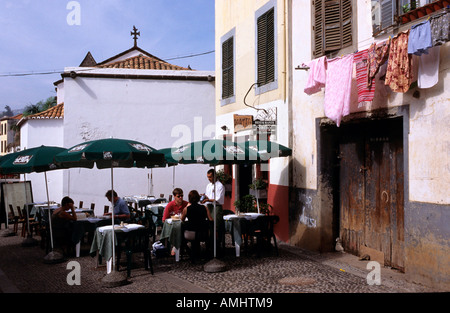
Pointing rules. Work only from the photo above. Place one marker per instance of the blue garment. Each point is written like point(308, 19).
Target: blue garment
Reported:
point(420, 38)
point(121, 207)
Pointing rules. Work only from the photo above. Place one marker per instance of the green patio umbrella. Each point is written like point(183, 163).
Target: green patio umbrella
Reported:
point(37, 159)
point(210, 151)
point(110, 153)
point(213, 152)
point(266, 150)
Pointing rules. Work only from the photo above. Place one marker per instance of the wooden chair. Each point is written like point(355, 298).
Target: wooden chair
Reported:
point(31, 221)
point(81, 205)
point(17, 219)
point(106, 209)
point(92, 206)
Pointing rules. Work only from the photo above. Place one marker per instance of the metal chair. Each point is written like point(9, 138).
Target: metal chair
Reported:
point(137, 242)
point(262, 228)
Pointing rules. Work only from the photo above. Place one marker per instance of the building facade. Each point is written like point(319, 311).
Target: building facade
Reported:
point(369, 164)
point(251, 94)
point(376, 176)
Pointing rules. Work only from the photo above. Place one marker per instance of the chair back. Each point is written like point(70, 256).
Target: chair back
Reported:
point(138, 240)
point(106, 209)
point(81, 204)
point(92, 206)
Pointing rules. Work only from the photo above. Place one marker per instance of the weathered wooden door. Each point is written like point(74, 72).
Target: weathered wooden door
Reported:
point(371, 189)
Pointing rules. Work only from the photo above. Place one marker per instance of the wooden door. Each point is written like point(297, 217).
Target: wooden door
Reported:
point(371, 189)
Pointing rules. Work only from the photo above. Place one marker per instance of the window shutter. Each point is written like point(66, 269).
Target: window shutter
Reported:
point(347, 23)
point(387, 13)
point(332, 25)
point(318, 28)
point(333, 31)
point(227, 69)
point(266, 47)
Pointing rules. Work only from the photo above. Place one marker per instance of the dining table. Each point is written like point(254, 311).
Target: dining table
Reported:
point(102, 242)
point(237, 224)
point(87, 225)
point(171, 231)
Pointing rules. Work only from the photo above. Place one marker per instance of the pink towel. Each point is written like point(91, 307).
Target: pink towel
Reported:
point(338, 88)
point(317, 75)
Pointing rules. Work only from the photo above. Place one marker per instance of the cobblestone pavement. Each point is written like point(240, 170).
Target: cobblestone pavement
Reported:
point(22, 270)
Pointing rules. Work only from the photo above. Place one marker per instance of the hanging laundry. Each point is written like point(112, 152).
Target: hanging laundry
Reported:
point(428, 73)
point(317, 75)
point(378, 54)
point(338, 88)
point(398, 73)
point(420, 38)
point(440, 25)
point(365, 93)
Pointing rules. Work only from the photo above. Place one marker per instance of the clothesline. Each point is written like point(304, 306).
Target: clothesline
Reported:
point(335, 75)
point(444, 11)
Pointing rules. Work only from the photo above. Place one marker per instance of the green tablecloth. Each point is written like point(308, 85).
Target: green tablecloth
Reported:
point(103, 239)
point(172, 232)
point(236, 226)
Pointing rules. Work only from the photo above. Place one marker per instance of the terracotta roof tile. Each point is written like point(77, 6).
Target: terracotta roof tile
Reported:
point(54, 112)
point(143, 62)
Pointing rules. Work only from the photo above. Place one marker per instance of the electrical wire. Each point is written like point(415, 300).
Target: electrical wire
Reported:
point(32, 73)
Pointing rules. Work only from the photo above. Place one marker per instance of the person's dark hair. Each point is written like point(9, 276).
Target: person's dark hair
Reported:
point(66, 200)
point(211, 171)
point(109, 193)
point(177, 191)
point(193, 196)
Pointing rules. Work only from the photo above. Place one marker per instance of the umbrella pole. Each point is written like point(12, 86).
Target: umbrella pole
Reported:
point(115, 278)
point(215, 265)
point(48, 210)
point(215, 215)
point(112, 215)
point(29, 241)
point(52, 257)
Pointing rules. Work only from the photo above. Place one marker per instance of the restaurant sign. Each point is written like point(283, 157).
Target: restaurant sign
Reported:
point(242, 122)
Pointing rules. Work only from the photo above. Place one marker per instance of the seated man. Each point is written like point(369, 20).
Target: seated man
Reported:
point(121, 211)
point(62, 219)
point(175, 206)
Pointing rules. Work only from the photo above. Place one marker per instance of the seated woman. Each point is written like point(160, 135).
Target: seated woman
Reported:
point(62, 225)
point(198, 218)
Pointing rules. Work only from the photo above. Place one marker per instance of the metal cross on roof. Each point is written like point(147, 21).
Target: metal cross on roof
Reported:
point(135, 33)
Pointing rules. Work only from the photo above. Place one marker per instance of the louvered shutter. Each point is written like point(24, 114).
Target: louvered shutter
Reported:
point(227, 69)
point(266, 47)
point(318, 28)
point(388, 9)
point(347, 25)
point(333, 25)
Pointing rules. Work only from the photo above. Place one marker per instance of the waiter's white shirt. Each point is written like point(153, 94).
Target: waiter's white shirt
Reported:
point(220, 192)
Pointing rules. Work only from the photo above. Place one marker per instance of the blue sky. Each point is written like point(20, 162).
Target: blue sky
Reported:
point(36, 37)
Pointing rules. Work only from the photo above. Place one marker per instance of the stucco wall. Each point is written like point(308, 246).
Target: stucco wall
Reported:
point(48, 132)
point(161, 113)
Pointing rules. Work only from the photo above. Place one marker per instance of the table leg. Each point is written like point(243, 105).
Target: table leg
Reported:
point(108, 266)
point(177, 254)
point(77, 249)
point(238, 249)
